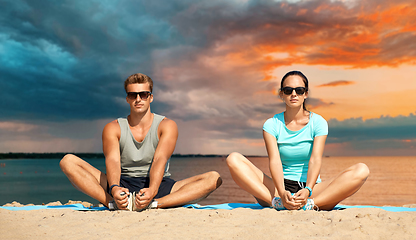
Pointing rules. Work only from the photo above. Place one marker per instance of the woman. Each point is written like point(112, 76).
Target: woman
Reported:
point(295, 142)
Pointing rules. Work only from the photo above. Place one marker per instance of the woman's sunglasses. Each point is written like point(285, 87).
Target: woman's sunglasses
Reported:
point(298, 90)
point(143, 95)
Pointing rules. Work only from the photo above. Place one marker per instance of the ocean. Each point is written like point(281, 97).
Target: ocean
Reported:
point(392, 180)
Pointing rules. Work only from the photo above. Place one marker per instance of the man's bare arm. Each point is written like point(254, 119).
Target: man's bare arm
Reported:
point(111, 149)
point(168, 135)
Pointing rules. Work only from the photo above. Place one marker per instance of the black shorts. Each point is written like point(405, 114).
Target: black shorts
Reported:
point(134, 184)
point(294, 186)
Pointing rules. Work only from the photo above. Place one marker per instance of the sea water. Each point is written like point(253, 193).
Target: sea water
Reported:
point(392, 179)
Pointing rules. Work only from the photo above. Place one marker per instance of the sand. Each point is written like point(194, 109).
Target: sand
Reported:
point(182, 223)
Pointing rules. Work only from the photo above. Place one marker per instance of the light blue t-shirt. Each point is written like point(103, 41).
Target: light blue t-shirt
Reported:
point(295, 147)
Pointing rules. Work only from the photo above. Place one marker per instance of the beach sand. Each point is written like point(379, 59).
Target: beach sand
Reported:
point(388, 184)
point(183, 223)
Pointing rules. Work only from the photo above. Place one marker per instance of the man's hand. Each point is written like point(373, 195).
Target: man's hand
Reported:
point(121, 201)
point(144, 197)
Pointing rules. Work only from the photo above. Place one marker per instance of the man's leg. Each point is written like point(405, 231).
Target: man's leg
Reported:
point(86, 178)
point(191, 190)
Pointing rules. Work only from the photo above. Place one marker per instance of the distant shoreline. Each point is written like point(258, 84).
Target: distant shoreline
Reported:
point(90, 155)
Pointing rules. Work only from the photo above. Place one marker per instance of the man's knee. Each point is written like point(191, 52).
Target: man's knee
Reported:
point(66, 162)
point(215, 179)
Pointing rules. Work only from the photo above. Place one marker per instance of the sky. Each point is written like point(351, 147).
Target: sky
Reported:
point(216, 65)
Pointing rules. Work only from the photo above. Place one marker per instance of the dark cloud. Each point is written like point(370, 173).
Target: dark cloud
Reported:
point(384, 128)
point(69, 59)
point(399, 47)
point(270, 108)
point(315, 103)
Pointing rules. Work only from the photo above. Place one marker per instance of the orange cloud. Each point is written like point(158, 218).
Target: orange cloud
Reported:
point(251, 142)
point(302, 12)
point(337, 83)
point(330, 34)
point(391, 15)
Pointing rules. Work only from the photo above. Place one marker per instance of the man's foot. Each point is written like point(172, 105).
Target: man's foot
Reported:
point(152, 205)
point(112, 205)
point(132, 204)
point(131, 201)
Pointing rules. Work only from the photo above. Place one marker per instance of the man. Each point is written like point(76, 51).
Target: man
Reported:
point(137, 152)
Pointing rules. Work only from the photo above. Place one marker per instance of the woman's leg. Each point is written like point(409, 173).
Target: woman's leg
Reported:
point(86, 178)
point(329, 193)
point(251, 179)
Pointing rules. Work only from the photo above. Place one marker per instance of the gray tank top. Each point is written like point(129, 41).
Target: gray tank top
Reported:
point(137, 157)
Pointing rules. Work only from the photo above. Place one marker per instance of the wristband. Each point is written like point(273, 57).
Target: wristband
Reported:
point(310, 191)
point(111, 188)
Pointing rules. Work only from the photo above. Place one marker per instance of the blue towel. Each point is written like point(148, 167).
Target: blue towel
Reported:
point(77, 206)
point(390, 209)
point(227, 206)
point(230, 206)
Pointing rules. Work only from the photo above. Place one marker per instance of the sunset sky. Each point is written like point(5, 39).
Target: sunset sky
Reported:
point(216, 67)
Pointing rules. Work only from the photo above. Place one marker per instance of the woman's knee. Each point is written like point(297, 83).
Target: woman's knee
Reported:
point(233, 159)
point(361, 171)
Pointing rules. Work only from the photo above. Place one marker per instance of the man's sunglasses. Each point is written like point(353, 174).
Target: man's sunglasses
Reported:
point(298, 90)
point(143, 95)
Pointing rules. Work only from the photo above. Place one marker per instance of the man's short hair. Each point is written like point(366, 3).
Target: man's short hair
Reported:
point(138, 78)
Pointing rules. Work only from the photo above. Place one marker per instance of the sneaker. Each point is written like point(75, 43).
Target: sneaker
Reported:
point(112, 206)
point(132, 201)
point(277, 204)
point(152, 205)
point(310, 205)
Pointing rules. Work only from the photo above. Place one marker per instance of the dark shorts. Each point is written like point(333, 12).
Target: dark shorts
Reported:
point(134, 184)
point(294, 186)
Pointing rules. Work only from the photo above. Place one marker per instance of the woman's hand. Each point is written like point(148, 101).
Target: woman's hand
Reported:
point(301, 197)
point(289, 201)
